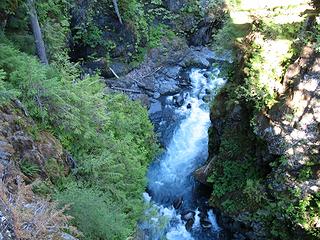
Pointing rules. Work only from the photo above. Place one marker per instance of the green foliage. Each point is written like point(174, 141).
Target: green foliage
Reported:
point(230, 206)
point(235, 175)
point(95, 217)
point(54, 18)
point(24, 42)
point(253, 91)
point(316, 34)
point(43, 188)
point(135, 15)
point(29, 169)
point(54, 170)
point(156, 33)
point(279, 31)
point(5, 93)
point(254, 190)
point(226, 37)
point(110, 136)
point(91, 35)
point(241, 182)
point(10, 6)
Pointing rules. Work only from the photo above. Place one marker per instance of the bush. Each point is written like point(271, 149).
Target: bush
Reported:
point(110, 136)
point(96, 218)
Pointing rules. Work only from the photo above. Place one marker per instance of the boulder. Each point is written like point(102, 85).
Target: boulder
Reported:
point(189, 224)
point(178, 100)
point(167, 86)
point(206, 98)
point(195, 59)
point(177, 203)
point(202, 173)
point(205, 223)
point(119, 68)
point(172, 72)
point(155, 107)
point(156, 95)
point(188, 215)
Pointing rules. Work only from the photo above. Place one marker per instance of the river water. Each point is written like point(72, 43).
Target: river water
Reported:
point(172, 191)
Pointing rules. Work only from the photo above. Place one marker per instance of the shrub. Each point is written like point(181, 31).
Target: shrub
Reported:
point(94, 216)
point(32, 216)
point(110, 136)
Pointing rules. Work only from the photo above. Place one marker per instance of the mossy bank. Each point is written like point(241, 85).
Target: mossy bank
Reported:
point(264, 138)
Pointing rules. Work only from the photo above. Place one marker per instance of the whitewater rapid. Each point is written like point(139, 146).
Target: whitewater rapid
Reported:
point(170, 177)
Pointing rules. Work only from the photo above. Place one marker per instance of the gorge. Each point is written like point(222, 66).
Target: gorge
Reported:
point(159, 119)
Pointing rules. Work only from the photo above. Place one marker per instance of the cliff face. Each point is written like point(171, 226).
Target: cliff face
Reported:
point(269, 171)
point(264, 144)
point(24, 158)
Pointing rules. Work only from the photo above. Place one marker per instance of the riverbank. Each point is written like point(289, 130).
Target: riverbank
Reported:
point(263, 142)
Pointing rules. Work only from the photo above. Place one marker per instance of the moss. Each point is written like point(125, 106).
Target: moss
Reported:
point(243, 180)
point(54, 170)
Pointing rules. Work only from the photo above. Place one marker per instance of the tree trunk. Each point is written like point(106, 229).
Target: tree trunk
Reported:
point(116, 8)
point(41, 50)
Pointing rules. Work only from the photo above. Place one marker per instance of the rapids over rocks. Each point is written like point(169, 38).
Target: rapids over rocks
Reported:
point(175, 211)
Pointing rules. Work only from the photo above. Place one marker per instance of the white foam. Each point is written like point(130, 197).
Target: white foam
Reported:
point(188, 144)
point(213, 220)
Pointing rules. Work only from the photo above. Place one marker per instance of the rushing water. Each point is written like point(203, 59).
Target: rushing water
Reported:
point(170, 177)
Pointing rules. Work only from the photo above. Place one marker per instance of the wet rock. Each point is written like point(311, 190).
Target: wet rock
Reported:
point(188, 215)
point(178, 100)
point(156, 95)
point(119, 68)
point(189, 106)
point(239, 236)
point(167, 86)
point(155, 107)
point(202, 36)
point(189, 224)
point(195, 59)
point(177, 203)
point(203, 214)
point(207, 53)
point(184, 78)
point(172, 72)
point(206, 98)
point(202, 173)
point(205, 223)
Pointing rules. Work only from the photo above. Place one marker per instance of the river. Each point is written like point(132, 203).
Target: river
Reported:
point(175, 210)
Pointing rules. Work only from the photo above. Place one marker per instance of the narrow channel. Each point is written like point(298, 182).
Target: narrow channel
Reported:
point(175, 211)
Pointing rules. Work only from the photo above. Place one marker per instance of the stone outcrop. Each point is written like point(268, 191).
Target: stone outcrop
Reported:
point(289, 131)
point(24, 154)
point(164, 73)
